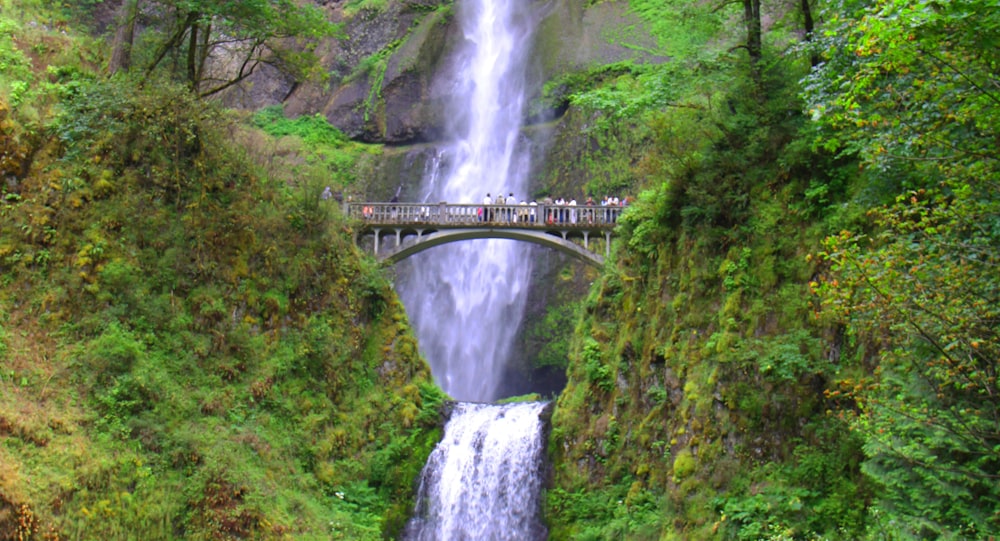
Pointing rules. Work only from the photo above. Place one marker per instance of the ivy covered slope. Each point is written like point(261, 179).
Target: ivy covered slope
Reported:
point(798, 335)
point(190, 345)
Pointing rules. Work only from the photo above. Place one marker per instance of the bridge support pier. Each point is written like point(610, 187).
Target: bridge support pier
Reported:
point(607, 244)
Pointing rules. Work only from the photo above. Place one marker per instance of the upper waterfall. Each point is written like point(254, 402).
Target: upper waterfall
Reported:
point(476, 289)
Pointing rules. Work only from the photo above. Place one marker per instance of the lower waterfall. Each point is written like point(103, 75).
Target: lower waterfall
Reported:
point(482, 481)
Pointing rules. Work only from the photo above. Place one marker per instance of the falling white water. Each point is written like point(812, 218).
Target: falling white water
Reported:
point(466, 300)
point(482, 481)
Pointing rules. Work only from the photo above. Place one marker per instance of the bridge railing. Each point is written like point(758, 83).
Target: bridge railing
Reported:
point(539, 216)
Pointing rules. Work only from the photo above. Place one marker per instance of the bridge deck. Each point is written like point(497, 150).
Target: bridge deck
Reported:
point(445, 215)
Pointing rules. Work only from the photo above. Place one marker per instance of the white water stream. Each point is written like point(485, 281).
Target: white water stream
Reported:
point(482, 482)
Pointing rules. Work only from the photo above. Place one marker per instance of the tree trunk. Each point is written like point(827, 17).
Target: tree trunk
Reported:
point(192, 55)
point(751, 16)
point(809, 27)
point(175, 41)
point(204, 48)
point(121, 49)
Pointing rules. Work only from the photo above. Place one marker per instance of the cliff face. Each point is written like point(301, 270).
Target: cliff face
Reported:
point(381, 78)
point(388, 78)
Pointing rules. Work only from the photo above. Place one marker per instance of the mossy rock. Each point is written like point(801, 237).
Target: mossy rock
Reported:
point(684, 464)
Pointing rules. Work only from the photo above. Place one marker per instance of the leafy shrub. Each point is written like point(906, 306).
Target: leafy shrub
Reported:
point(113, 353)
point(598, 373)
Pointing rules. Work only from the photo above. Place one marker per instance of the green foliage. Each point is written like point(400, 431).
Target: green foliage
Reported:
point(279, 33)
point(789, 357)
point(4, 348)
point(356, 6)
point(113, 353)
point(209, 358)
point(314, 130)
point(683, 29)
point(646, 222)
point(432, 398)
point(15, 67)
point(618, 512)
point(706, 315)
point(554, 333)
point(324, 157)
point(936, 59)
point(905, 87)
point(575, 86)
point(684, 464)
point(816, 491)
point(531, 397)
point(126, 126)
point(599, 374)
point(927, 411)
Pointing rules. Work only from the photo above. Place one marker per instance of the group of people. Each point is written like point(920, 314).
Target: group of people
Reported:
point(506, 209)
point(487, 213)
point(556, 210)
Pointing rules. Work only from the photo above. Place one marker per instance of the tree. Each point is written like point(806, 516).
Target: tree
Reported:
point(121, 47)
point(754, 42)
point(809, 28)
point(215, 44)
point(911, 88)
point(926, 288)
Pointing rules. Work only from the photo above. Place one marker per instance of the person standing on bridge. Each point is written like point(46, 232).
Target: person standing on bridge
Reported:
point(560, 211)
point(487, 212)
point(498, 214)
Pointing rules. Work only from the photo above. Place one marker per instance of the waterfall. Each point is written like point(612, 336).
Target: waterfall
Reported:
point(466, 300)
point(482, 481)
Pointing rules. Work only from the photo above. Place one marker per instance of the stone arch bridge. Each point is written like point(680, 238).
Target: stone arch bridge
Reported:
point(415, 227)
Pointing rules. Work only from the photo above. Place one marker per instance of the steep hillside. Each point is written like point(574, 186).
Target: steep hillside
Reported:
point(798, 336)
point(191, 346)
point(696, 385)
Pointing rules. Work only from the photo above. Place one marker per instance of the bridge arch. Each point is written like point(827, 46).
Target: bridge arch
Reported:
point(437, 238)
